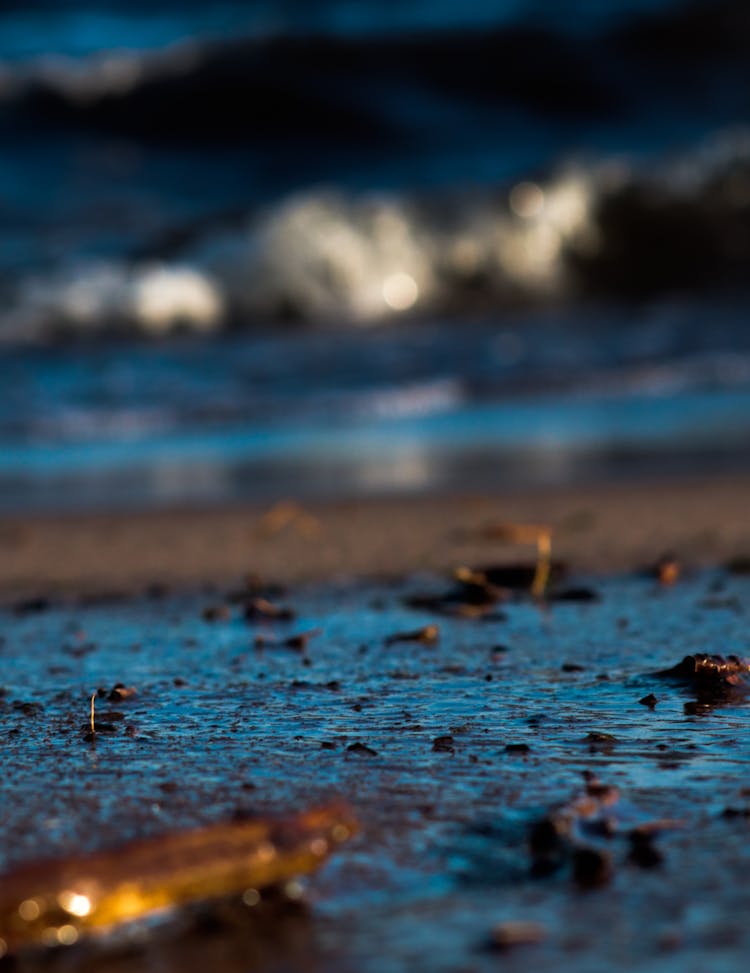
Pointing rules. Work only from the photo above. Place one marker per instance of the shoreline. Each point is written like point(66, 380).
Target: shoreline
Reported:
point(597, 529)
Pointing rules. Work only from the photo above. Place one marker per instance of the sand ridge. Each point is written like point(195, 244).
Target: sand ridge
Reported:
point(602, 529)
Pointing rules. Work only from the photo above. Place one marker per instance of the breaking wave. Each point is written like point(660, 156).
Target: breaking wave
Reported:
point(225, 180)
point(608, 230)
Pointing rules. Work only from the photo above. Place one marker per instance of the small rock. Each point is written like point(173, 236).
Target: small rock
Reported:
point(580, 593)
point(600, 741)
point(667, 570)
point(443, 744)
point(261, 608)
point(508, 935)
point(217, 613)
point(736, 812)
point(591, 867)
point(120, 691)
point(361, 749)
point(428, 634)
point(31, 606)
point(643, 851)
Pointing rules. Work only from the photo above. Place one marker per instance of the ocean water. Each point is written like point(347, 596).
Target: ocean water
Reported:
point(250, 250)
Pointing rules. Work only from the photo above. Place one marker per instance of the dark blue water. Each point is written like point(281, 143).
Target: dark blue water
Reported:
point(452, 406)
point(416, 245)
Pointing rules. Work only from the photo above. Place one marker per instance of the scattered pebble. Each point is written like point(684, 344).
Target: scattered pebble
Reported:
point(580, 593)
point(361, 749)
point(443, 744)
point(591, 867)
point(509, 935)
point(120, 691)
point(261, 608)
point(217, 613)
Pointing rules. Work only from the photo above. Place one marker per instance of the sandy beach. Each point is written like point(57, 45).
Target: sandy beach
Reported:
point(603, 529)
point(452, 750)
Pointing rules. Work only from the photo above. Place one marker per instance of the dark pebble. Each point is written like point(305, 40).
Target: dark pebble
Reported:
point(600, 741)
point(739, 564)
point(31, 606)
point(649, 701)
point(361, 749)
point(591, 867)
point(736, 812)
point(216, 613)
point(581, 594)
point(120, 691)
point(643, 851)
point(427, 635)
point(443, 744)
point(28, 709)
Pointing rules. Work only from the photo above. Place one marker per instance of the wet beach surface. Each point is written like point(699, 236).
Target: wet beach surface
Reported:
point(426, 740)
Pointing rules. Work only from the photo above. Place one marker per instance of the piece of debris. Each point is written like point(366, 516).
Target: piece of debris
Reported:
point(478, 591)
point(649, 701)
point(56, 903)
point(427, 635)
point(538, 534)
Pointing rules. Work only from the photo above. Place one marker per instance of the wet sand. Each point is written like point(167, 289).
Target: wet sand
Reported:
point(602, 529)
point(448, 751)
